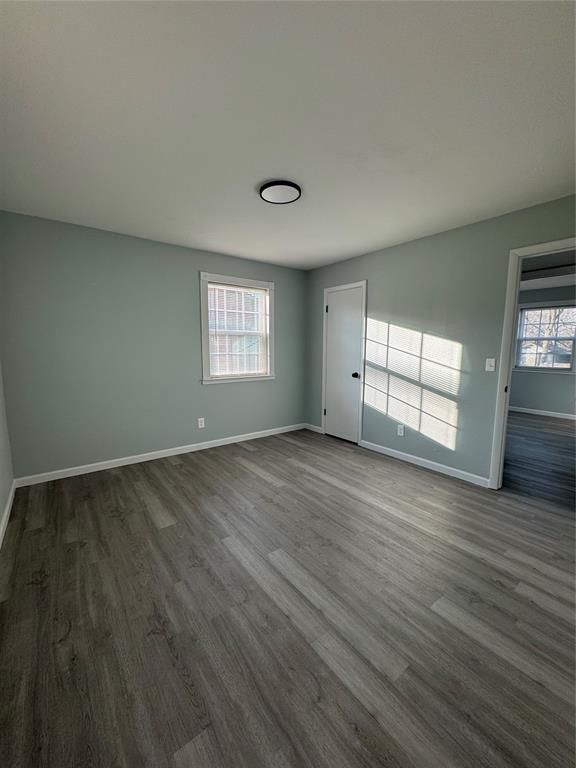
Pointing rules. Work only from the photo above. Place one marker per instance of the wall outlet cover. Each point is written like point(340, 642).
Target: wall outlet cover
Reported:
point(201, 423)
point(400, 430)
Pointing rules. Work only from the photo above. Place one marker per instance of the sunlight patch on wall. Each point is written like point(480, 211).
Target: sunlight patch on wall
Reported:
point(403, 368)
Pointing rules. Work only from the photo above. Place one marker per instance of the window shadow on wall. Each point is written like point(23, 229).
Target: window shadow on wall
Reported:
point(414, 378)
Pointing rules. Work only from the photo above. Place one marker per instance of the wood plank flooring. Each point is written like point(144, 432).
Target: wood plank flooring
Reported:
point(540, 458)
point(294, 602)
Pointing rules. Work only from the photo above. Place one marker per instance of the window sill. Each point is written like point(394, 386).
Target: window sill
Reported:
point(525, 369)
point(237, 379)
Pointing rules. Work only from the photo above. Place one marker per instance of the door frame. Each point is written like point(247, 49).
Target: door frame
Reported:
point(508, 347)
point(327, 291)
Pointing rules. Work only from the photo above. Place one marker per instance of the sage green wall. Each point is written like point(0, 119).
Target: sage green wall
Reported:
point(101, 347)
point(100, 337)
point(450, 285)
point(544, 390)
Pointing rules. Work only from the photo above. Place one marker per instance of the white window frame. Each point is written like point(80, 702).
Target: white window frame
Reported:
point(241, 282)
point(542, 369)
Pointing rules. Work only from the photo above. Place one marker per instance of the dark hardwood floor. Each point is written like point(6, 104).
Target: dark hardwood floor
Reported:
point(292, 601)
point(540, 458)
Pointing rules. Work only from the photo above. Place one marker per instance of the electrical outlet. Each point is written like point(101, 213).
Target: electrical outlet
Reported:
point(400, 430)
point(201, 422)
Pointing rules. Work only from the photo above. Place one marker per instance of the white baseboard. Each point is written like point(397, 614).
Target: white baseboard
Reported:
point(85, 469)
point(6, 512)
point(314, 428)
point(427, 464)
point(553, 414)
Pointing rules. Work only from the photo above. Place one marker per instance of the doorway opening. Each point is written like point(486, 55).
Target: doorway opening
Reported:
point(536, 418)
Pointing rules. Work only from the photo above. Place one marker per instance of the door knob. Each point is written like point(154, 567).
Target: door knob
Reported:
point(355, 375)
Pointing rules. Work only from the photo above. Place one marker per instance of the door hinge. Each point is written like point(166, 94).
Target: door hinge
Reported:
point(326, 307)
point(324, 411)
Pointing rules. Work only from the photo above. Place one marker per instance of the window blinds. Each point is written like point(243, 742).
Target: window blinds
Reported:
point(238, 331)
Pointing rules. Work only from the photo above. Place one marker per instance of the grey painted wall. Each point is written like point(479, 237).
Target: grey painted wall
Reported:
point(101, 347)
point(6, 475)
point(544, 390)
point(451, 285)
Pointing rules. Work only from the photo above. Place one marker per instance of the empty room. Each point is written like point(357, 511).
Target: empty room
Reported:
point(287, 384)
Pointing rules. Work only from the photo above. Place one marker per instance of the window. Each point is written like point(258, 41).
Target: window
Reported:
point(546, 338)
point(237, 328)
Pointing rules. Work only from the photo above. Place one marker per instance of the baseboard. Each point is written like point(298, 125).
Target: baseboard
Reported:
point(6, 512)
point(85, 469)
point(427, 464)
point(314, 428)
point(553, 414)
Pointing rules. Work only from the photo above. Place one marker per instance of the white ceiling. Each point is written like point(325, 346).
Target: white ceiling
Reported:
point(398, 119)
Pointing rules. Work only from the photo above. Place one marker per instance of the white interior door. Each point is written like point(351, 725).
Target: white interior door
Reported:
point(344, 360)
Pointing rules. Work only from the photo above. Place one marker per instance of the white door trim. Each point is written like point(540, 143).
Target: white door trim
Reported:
point(507, 347)
point(327, 291)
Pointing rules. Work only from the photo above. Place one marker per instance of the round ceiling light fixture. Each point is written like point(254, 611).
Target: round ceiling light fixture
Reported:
point(280, 192)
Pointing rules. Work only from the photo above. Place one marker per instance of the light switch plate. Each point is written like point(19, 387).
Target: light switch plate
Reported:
point(491, 364)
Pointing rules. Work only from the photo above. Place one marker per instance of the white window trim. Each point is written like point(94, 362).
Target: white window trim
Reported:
point(537, 369)
point(207, 277)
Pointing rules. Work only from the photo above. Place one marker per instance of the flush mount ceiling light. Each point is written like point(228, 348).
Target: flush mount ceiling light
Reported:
point(280, 192)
